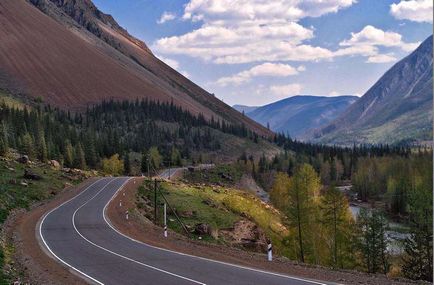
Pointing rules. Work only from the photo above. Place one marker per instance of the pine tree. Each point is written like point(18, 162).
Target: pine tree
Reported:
point(144, 164)
point(4, 145)
point(69, 154)
point(79, 157)
point(28, 146)
point(373, 244)
point(42, 148)
point(127, 164)
point(418, 261)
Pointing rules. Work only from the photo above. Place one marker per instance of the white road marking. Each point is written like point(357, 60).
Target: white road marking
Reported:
point(49, 249)
point(117, 254)
point(198, 257)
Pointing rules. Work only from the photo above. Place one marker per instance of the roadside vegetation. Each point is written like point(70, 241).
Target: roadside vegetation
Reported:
point(21, 186)
point(219, 208)
point(393, 187)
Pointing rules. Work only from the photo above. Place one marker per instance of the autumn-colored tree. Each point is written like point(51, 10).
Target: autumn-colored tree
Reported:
point(279, 194)
point(113, 165)
point(303, 197)
point(337, 221)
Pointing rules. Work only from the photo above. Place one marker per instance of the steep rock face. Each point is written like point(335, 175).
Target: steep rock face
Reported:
point(397, 108)
point(71, 55)
point(86, 14)
point(299, 114)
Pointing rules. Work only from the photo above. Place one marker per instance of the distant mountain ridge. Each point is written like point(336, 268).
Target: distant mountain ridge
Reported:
point(397, 108)
point(244, 108)
point(299, 114)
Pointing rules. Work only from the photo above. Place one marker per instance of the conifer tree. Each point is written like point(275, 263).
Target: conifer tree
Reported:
point(336, 219)
point(69, 154)
point(127, 164)
point(79, 157)
point(305, 185)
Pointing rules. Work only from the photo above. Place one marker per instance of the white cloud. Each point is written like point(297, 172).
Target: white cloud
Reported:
point(381, 58)
point(370, 36)
point(265, 69)
point(413, 10)
point(166, 17)
point(288, 90)
point(244, 31)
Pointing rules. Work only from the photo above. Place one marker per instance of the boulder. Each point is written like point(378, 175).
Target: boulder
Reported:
point(55, 164)
point(186, 214)
point(31, 175)
point(24, 159)
point(202, 229)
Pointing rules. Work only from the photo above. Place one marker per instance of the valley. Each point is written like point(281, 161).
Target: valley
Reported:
point(120, 165)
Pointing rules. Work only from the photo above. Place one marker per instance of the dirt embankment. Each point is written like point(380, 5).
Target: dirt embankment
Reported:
point(143, 230)
point(30, 261)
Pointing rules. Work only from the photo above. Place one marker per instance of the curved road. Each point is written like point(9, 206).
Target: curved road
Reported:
point(78, 234)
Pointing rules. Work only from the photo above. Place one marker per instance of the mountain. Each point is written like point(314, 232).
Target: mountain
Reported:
point(244, 108)
point(397, 108)
point(299, 114)
point(69, 54)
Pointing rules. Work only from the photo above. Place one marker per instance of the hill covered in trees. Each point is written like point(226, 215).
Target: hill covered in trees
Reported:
point(83, 140)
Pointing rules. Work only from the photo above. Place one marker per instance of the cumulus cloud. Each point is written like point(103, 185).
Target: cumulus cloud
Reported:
point(166, 17)
point(265, 69)
point(413, 10)
point(381, 58)
point(371, 36)
point(244, 31)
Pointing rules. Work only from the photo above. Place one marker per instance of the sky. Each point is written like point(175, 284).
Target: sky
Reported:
point(254, 52)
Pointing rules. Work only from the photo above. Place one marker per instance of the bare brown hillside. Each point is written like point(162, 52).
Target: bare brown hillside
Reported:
point(71, 55)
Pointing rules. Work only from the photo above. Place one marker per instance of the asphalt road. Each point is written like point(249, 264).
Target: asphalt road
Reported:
point(78, 234)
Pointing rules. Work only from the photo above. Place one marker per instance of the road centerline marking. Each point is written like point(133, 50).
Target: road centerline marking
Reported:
point(120, 255)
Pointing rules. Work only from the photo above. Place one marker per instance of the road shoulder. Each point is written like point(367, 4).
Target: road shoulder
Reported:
point(34, 263)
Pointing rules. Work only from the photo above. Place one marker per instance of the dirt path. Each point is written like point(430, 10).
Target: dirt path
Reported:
point(36, 265)
point(143, 230)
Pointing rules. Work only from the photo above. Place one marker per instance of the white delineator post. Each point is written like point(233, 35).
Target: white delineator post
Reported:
point(120, 203)
point(270, 252)
point(165, 220)
point(126, 215)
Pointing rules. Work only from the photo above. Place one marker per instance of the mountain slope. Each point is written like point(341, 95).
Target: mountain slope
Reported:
point(72, 55)
point(298, 114)
point(398, 108)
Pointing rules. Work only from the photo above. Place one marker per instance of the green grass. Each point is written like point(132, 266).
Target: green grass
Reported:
point(13, 195)
point(227, 206)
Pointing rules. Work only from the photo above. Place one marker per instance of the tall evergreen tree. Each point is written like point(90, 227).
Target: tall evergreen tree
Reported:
point(373, 244)
point(79, 157)
point(127, 164)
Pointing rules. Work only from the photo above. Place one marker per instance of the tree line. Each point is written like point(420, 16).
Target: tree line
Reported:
point(84, 140)
point(324, 232)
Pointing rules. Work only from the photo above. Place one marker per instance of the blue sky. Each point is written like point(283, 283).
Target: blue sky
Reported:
point(255, 52)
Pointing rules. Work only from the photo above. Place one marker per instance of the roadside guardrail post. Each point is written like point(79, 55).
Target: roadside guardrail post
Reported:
point(270, 251)
point(165, 220)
